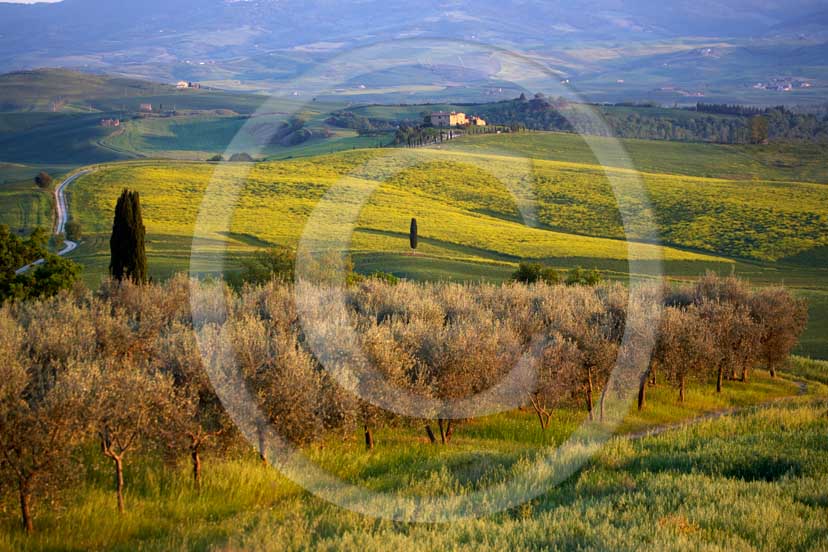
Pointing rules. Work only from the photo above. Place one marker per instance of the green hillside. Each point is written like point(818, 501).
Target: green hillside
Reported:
point(456, 225)
point(52, 117)
point(65, 90)
point(479, 207)
point(476, 216)
point(25, 206)
point(785, 162)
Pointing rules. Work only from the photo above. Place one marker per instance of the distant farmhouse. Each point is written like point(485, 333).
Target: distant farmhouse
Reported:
point(452, 119)
point(181, 85)
point(145, 107)
point(109, 123)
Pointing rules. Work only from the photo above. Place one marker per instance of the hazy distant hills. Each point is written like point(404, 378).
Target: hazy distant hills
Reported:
point(265, 42)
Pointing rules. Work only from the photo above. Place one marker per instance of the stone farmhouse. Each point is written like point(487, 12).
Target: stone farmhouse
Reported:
point(453, 118)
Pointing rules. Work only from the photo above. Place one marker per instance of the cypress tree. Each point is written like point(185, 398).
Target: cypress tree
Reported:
point(412, 235)
point(128, 254)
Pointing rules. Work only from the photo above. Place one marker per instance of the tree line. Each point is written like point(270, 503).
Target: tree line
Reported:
point(733, 109)
point(727, 124)
point(128, 367)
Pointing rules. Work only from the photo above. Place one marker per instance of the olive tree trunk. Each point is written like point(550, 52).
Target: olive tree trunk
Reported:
point(445, 430)
point(25, 492)
point(642, 393)
point(369, 438)
point(260, 434)
point(589, 395)
point(196, 458)
point(118, 463)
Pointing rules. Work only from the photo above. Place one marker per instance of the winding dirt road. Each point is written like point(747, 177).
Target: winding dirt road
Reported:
point(62, 218)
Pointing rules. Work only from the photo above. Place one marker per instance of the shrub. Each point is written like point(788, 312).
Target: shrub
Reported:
point(530, 273)
point(268, 264)
point(74, 231)
point(241, 157)
point(43, 180)
point(580, 277)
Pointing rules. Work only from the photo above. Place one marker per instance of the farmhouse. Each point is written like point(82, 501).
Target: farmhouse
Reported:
point(145, 107)
point(110, 123)
point(454, 118)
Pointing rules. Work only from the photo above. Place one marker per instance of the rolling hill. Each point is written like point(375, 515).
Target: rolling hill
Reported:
point(476, 215)
point(264, 44)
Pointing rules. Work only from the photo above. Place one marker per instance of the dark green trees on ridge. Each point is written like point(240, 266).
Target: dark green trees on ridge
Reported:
point(128, 254)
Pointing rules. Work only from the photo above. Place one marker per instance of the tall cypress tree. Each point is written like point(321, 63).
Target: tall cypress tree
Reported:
point(412, 235)
point(128, 254)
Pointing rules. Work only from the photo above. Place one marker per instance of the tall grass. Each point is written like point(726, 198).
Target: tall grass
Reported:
point(751, 481)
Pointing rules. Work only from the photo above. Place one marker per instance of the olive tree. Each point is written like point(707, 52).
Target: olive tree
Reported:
point(390, 369)
point(782, 319)
point(42, 416)
point(131, 400)
point(194, 418)
point(687, 347)
point(558, 363)
point(281, 376)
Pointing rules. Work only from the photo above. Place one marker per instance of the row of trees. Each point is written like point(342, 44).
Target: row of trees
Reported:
point(419, 135)
point(733, 109)
point(729, 124)
point(128, 367)
point(532, 273)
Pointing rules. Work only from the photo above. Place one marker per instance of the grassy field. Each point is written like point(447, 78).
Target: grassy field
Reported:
point(482, 206)
point(785, 162)
point(56, 139)
point(199, 137)
point(472, 227)
point(464, 215)
point(481, 209)
point(53, 117)
point(754, 480)
point(25, 206)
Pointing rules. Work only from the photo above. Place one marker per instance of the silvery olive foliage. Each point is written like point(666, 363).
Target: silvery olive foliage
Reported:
point(155, 368)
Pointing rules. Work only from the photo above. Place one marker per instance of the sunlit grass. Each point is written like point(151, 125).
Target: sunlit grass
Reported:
point(463, 213)
point(757, 479)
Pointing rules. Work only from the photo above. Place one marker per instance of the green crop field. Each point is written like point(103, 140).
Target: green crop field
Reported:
point(52, 117)
point(55, 139)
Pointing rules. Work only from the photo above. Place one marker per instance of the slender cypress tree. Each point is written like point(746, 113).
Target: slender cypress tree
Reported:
point(128, 254)
point(412, 235)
